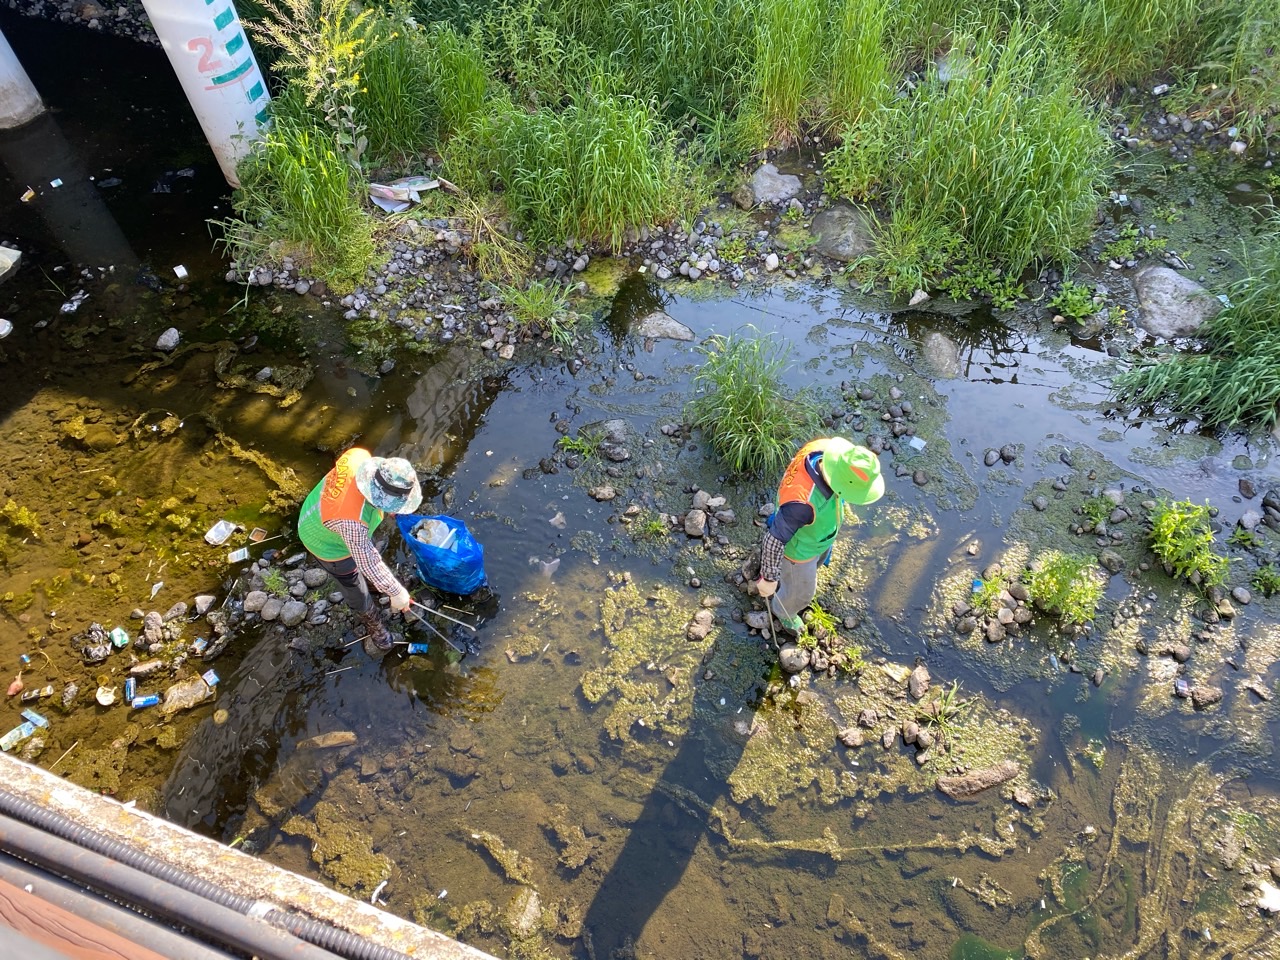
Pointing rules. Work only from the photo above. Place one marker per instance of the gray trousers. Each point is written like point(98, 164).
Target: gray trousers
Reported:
point(797, 583)
point(355, 589)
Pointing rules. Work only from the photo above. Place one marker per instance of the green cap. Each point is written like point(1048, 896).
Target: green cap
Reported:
point(852, 471)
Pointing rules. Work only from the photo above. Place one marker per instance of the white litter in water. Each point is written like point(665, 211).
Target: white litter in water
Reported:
point(6, 328)
point(377, 890)
point(180, 271)
point(155, 588)
point(442, 894)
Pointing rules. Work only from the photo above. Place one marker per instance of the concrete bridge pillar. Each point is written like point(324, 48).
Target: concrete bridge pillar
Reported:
point(218, 72)
point(19, 101)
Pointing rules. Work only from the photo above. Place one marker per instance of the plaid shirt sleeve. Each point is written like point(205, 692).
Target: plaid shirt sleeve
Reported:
point(771, 549)
point(374, 569)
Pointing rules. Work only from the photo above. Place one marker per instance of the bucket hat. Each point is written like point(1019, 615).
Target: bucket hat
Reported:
point(852, 471)
point(390, 484)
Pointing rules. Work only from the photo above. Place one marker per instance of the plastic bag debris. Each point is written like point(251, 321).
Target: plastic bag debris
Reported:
point(28, 195)
point(72, 305)
point(398, 195)
point(180, 271)
point(217, 535)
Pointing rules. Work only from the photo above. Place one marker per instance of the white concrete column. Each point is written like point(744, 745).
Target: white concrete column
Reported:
point(218, 72)
point(19, 101)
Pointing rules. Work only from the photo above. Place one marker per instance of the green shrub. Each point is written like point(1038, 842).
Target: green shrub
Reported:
point(542, 306)
point(1182, 538)
point(986, 598)
point(745, 409)
point(297, 189)
point(1067, 586)
point(588, 172)
point(1235, 381)
point(1266, 579)
point(944, 162)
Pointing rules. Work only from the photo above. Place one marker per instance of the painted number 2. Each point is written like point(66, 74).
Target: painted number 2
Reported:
point(207, 64)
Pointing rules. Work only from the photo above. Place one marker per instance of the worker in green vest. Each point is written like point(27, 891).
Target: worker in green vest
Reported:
point(337, 523)
point(823, 476)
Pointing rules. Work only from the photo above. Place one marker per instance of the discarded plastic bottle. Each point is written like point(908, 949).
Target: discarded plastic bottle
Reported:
point(130, 689)
point(419, 647)
point(199, 644)
point(148, 700)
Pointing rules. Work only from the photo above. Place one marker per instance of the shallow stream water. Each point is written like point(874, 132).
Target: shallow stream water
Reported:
point(663, 797)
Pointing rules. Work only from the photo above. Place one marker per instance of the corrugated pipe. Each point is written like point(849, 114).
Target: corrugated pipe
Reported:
point(341, 942)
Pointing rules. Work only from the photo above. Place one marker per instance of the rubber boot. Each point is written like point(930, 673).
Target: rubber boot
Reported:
point(377, 639)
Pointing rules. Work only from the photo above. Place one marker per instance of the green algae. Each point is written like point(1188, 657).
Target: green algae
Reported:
point(343, 853)
point(515, 866)
point(576, 848)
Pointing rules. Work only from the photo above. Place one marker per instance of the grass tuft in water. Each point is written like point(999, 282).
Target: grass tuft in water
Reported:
point(745, 409)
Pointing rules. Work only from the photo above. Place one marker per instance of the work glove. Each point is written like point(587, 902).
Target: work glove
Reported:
point(766, 588)
point(400, 600)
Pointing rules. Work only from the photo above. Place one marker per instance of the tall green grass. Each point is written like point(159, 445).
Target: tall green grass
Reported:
point(742, 404)
point(1236, 380)
point(859, 68)
point(588, 171)
point(395, 99)
point(298, 191)
point(783, 71)
point(1239, 64)
point(1003, 154)
point(1127, 41)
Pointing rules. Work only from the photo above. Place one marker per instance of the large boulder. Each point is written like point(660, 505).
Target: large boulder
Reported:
point(658, 326)
point(1172, 305)
point(843, 232)
point(770, 186)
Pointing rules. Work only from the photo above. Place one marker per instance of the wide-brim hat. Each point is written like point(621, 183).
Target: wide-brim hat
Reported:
point(852, 471)
point(390, 484)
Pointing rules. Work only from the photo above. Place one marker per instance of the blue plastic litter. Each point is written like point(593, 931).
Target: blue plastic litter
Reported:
point(458, 568)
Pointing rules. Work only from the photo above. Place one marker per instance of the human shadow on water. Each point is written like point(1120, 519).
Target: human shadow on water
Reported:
point(663, 837)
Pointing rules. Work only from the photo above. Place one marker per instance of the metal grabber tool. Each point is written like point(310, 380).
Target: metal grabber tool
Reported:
point(443, 616)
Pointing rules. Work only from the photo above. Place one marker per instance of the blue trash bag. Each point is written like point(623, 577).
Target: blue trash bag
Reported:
point(458, 568)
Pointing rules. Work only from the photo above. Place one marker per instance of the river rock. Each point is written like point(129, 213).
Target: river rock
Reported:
point(659, 326)
point(995, 631)
point(314, 577)
point(851, 737)
point(184, 695)
point(792, 658)
point(146, 668)
point(204, 602)
point(918, 682)
point(153, 628)
point(991, 458)
point(271, 609)
point(523, 913)
point(255, 600)
point(842, 232)
point(757, 620)
point(700, 626)
point(326, 741)
point(179, 609)
point(1111, 561)
point(1203, 695)
point(293, 613)
point(1180, 652)
point(1242, 596)
point(910, 731)
point(169, 340)
point(770, 186)
point(601, 493)
point(695, 523)
point(942, 355)
point(1172, 305)
point(968, 784)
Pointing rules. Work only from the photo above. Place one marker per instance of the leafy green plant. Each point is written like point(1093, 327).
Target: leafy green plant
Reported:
point(849, 660)
point(1246, 539)
point(986, 599)
point(584, 445)
point(1074, 301)
point(1067, 586)
point(648, 527)
point(745, 409)
point(1235, 380)
point(20, 519)
point(1129, 243)
point(1126, 41)
point(1181, 538)
point(732, 249)
point(821, 622)
point(273, 581)
point(788, 47)
point(1266, 579)
point(971, 277)
point(944, 711)
point(1096, 510)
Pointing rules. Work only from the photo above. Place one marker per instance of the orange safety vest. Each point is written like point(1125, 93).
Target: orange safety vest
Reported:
point(336, 497)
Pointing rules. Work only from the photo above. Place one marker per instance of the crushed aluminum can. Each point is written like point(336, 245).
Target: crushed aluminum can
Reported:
point(130, 689)
point(1181, 687)
point(149, 700)
point(38, 693)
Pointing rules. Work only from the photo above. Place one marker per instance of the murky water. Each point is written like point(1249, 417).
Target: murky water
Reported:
point(663, 797)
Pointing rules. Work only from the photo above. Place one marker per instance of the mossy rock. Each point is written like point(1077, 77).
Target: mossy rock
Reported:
point(343, 853)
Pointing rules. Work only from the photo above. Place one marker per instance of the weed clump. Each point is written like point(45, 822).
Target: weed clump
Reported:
point(20, 519)
point(744, 408)
point(1182, 539)
point(1067, 586)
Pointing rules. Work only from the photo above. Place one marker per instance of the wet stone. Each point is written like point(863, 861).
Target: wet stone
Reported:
point(203, 603)
point(153, 628)
point(1180, 652)
point(179, 609)
point(991, 458)
point(995, 631)
point(792, 658)
point(255, 600)
point(292, 613)
point(918, 682)
point(851, 737)
point(314, 577)
point(1040, 502)
point(1203, 695)
point(271, 609)
point(1241, 596)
